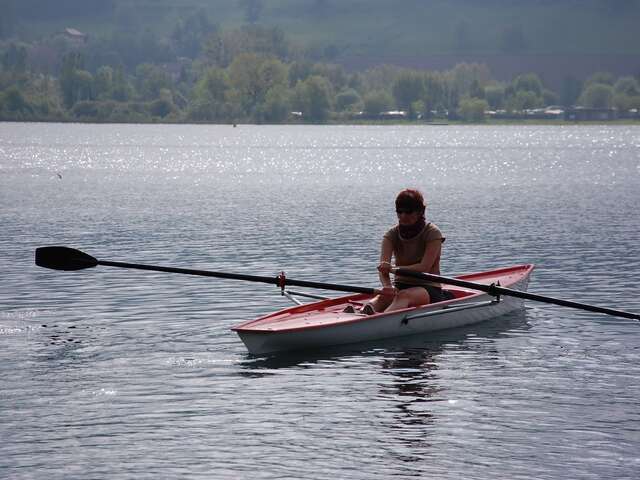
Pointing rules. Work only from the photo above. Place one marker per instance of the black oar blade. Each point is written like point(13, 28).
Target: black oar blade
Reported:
point(63, 258)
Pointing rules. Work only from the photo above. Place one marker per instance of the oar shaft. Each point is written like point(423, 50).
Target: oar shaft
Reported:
point(569, 303)
point(187, 271)
point(236, 276)
point(497, 290)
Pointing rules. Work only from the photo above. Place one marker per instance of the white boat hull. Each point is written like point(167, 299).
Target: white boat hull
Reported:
point(470, 310)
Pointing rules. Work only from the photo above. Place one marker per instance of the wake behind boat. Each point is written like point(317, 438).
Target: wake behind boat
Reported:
point(324, 323)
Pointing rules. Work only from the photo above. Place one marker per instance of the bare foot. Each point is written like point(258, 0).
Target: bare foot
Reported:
point(368, 309)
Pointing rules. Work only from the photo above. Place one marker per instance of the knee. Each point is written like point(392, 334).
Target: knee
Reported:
point(416, 296)
point(403, 295)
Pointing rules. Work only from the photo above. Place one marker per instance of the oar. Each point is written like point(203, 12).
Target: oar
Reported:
point(65, 258)
point(496, 290)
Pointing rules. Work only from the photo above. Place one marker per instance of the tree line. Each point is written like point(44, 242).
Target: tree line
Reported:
point(199, 73)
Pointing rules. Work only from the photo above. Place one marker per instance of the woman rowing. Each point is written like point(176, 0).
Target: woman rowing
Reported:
point(415, 245)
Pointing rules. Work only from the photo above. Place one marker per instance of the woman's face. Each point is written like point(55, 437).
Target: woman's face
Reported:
point(406, 216)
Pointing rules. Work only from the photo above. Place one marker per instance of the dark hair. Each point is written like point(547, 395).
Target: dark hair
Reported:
point(411, 199)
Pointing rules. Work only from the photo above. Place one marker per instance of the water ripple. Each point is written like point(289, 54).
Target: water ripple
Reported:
point(113, 373)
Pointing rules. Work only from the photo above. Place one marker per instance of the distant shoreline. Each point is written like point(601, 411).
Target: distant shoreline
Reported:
point(377, 123)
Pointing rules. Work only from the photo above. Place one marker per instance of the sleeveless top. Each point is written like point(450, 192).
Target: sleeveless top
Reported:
point(411, 251)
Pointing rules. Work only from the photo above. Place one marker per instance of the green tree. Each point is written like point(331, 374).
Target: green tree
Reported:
point(434, 97)
point(313, 97)
point(356, 82)
point(14, 101)
point(334, 73)
point(210, 97)
point(494, 95)
point(418, 110)
point(472, 109)
point(150, 80)
point(75, 82)
point(347, 99)
point(103, 82)
point(469, 79)
point(379, 78)
point(121, 89)
point(626, 94)
point(525, 92)
point(84, 85)
point(71, 64)
point(376, 102)
point(299, 71)
point(597, 95)
point(217, 50)
point(161, 107)
point(524, 100)
point(627, 86)
point(451, 96)
point(277, 105)
point(213, 85)
point(604, 78)
point(252, 76)
point(626, 102)
point(244, 77)
point(271, 73)
point(222, 48)
point(529, 82)
point(408, 88)
point(85, 109)
point(77, 86)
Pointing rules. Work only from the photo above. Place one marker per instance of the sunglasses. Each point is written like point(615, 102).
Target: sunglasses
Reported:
point(407, 211)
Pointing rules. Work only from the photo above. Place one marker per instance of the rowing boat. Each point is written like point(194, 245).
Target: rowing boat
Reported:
point(324, 323)
point(475, 297)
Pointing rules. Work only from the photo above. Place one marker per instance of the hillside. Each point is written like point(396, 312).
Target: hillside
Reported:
point(368, 27)
point(552, 38)
point(314, 60)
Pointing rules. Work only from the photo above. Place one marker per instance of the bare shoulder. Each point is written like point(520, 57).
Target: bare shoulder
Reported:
point(432, 232)
point(392, 234)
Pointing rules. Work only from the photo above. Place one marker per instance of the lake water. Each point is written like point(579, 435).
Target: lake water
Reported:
point(114, 373)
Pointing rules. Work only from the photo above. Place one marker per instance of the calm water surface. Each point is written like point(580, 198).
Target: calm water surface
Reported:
point(114, 373)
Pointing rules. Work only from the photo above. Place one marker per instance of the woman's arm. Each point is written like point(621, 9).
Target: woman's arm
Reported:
point(431, 253)
point(384, 267)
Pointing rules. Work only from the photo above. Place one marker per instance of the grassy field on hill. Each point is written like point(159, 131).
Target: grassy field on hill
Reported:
point(380, 27)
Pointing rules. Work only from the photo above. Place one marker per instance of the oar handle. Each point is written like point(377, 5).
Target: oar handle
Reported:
point(496, 290)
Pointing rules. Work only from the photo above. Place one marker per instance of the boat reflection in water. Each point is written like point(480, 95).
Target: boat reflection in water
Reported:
point(402, 390)
point(417, 379)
